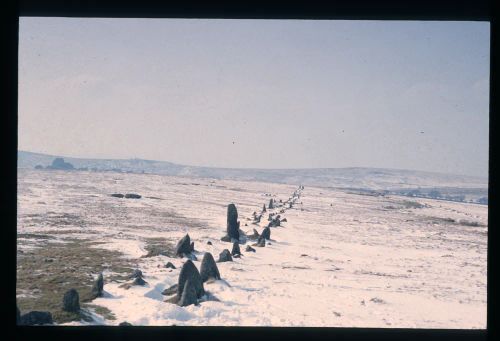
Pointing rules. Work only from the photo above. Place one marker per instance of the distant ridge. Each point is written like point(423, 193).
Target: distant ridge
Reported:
point(355, 177)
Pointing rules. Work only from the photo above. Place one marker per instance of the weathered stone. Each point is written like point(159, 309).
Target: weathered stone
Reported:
point(170, 265)
point(132, 196)
point(236, 249)
point(188, 296)
point(190, 272)
point(71, 301)
point(170, 290)
point(208, 268)
point(209, 243)
point(261, 242)
point(183, 246)
point(139, 281)
point(271, 204)
point(233, 224)
point(98, 287)
point(249, 249)
point(266, 233)
point(225, 256)
point(36, 318)
point(117, 195)
point(136, 273)
point(264, 208)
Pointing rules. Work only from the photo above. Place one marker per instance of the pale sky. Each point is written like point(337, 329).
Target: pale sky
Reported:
point(258, 93)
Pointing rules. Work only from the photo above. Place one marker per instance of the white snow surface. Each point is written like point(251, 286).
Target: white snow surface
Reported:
point(341, 259)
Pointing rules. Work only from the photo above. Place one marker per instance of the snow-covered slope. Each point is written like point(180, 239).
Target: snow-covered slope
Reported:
point(341, 259)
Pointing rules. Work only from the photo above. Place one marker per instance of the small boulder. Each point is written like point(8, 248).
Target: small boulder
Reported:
point(170, 265)
point(71, 301)
point(209, 243)
point(208, 268)
point(170, 290)
point(139, 281)
point(183, 246)
point(36, 318)
point(284, 220)
point(225, 256)
point(226, 238)
point(136, 273)
point(98, 287)
point(236, 249)
point(117, 195)
point(249, 249)
point(132, 196)
point(188, 296)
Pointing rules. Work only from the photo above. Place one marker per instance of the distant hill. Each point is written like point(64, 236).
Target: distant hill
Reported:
point(353, 178)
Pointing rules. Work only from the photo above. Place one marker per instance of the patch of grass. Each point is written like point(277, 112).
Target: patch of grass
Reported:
point(73, 265)
point(412, 204)
point(159, 247)
point(103, 311)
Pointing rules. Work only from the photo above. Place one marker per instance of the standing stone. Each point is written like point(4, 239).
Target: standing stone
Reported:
point(208, 268)
point(249, 249)
point(71, 301)
point(264, 208)
point(271, 206)
point(266, 233)
point(236, 249)
point(225, 256)
point(188, 296)
point(191, 246)
point(233, 224)
point(98, 287)
point(136, 273)
point(261, 242)
point(183, 246)
point(190, 272)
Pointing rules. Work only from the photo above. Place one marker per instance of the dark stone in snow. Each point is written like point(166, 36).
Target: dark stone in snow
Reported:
point(117, 195)
point(284, 220)
point(266, 233)
point(125, 324)
point(36, 318)
point(233, 224)
point(209, 243)
point(225, 256)
point(261, 242)
point(136, 274)
point(264, 208)
point(183, 246)
point(170, 290)
point(132, 196)
point(236, 249)
point(170, 265)
point(255, 235)
point(226, 238)
point(208, 268)
point(71, 301)
point(190, 272)
point(271, 206)
point(191, 246)
point(188, 296)
point(249, 249)
point(98, 286)
point(139, 281)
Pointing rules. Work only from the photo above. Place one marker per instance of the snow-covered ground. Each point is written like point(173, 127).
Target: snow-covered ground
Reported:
point(341, 259)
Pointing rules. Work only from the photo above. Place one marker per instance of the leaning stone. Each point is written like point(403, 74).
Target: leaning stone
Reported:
point(225, 256)
point(249, 249)
point(170, 290)
point(208, 268)
point(36, 318)
point(170, 265)
point(190, 272)
point(183, 246)
point(188, 296)
point(98, 287)
point(236, 249)
point(71, 301)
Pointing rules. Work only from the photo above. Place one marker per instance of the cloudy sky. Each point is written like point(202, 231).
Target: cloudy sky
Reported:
point(258, 93)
